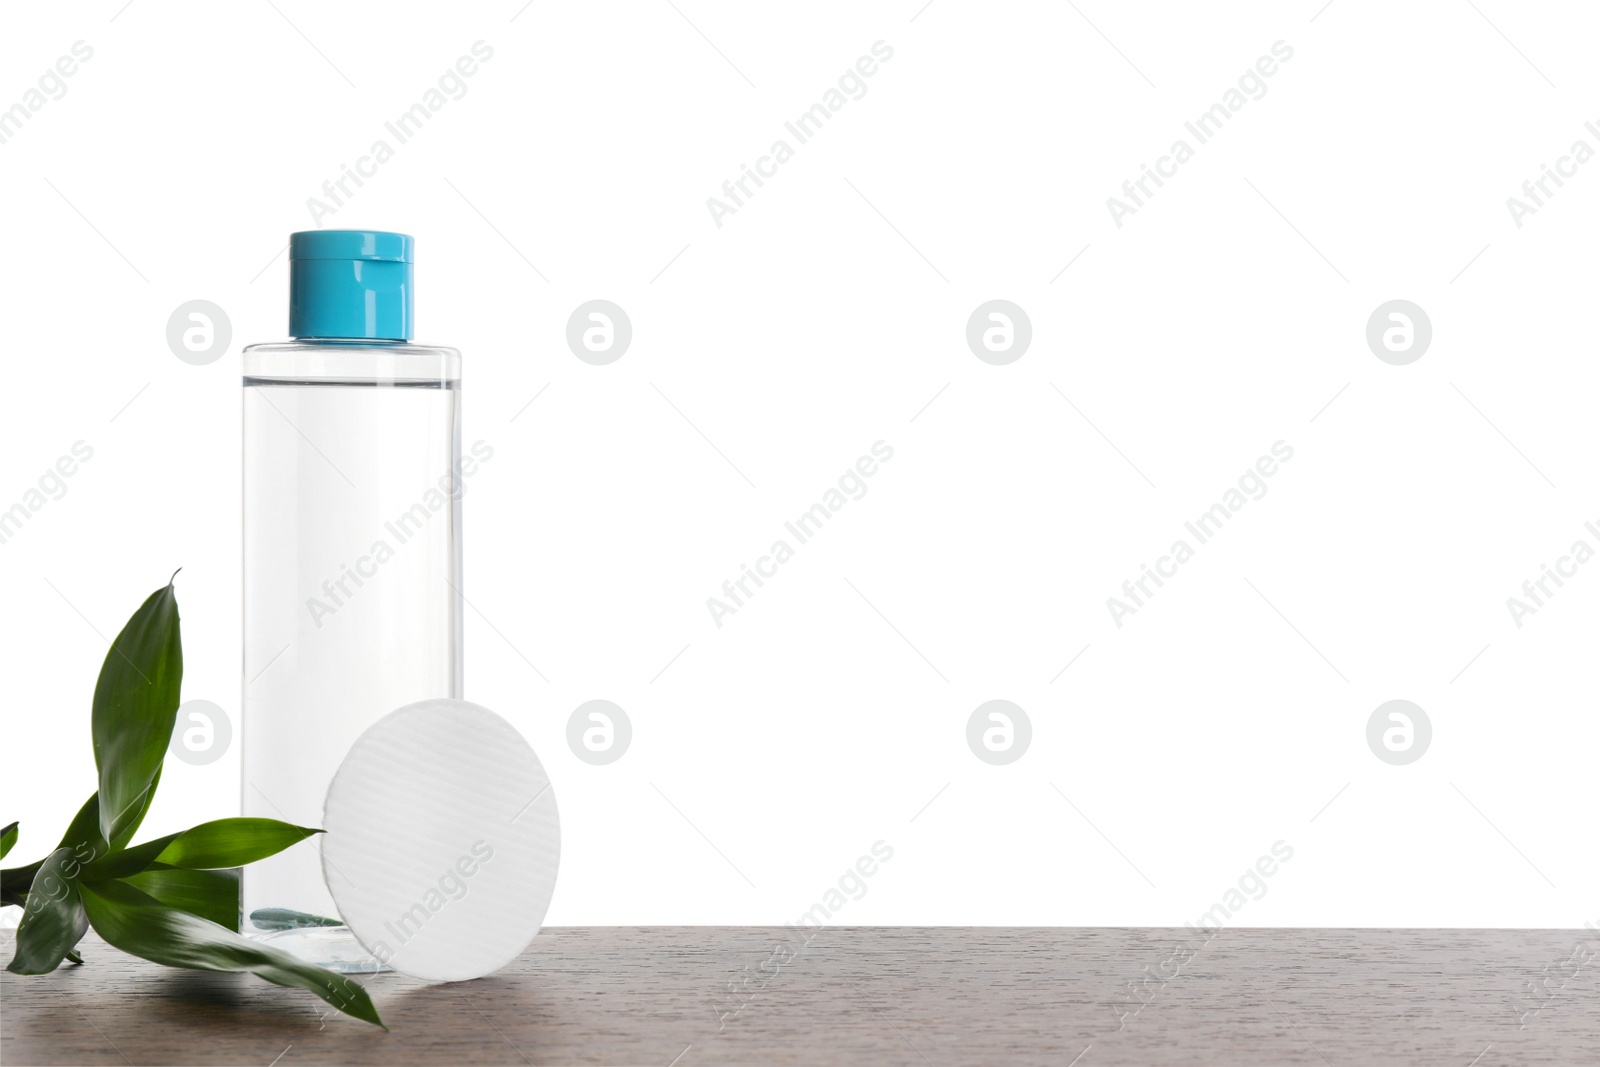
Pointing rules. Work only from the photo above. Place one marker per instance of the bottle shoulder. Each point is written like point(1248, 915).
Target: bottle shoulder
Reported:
point(348, 346)
point(355, 361)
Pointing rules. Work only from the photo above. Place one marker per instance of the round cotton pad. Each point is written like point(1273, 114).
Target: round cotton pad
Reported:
point(442, 841)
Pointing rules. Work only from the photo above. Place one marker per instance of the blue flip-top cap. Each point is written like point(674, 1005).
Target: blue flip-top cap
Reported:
point(353, 284)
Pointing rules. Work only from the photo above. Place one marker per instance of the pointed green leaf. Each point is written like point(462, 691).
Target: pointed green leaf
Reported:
point(135, 706)
point(131, 824)
point(82, 837)
point(18, 880)
point(84, 829)
point(53, 921)
point(83, 834)
point(211, 895)
point(137, 923)
point(288, 919)
point(220, 843)
point(8, 837)
point(232, 842)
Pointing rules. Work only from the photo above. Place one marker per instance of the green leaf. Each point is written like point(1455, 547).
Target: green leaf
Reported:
point(135, 706)
point(232, 842)
point(136, 817)
point(18, 880)
point(53, 921)
point(220, 843)
point(211, 895)
point(137, 923)
point(83, 833)
point(288, 919)
point(82, 837)
point(8, 837)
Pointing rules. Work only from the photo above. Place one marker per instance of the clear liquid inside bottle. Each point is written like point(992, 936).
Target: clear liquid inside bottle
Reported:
point(352, 577)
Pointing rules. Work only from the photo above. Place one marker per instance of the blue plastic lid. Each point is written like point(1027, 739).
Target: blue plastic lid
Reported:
point(350, 284)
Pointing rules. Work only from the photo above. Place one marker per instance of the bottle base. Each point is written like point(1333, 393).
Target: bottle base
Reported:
point(333, 947)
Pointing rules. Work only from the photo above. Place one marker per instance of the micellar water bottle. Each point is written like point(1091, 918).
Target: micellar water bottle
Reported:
point(352, 554)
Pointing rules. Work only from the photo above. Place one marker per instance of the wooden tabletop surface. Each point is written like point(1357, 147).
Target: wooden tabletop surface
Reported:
point(901, 995)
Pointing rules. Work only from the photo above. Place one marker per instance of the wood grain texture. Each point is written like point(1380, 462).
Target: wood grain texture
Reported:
point(914, 996)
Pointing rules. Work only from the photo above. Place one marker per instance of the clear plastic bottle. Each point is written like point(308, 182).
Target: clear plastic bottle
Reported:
point(352, 555)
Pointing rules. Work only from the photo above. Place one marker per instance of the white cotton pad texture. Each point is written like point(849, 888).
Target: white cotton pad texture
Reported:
point(442, 841)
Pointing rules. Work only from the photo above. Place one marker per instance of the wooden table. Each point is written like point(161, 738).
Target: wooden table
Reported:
point(916, 996)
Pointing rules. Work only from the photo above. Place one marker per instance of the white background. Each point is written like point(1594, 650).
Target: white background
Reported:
point(824, 316)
